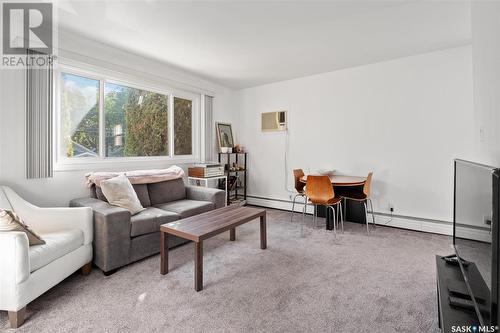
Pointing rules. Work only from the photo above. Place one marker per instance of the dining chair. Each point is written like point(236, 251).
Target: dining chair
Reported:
point(299, 187)
point(319, 191)
point(363, 197)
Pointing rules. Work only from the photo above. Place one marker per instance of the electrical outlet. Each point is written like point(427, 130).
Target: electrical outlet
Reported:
point(487, 220)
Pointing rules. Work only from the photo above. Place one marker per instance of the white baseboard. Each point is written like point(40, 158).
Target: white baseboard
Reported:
point(424, 225)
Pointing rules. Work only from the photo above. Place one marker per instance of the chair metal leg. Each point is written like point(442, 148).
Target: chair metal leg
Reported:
point(334, 221)
point(373, 213)
point(303, 218)
point(366, 216)
point(337, 215)
point(315, 216)
point(293, 207)
point(345, 206)
point(304, 209)
point(341, 217)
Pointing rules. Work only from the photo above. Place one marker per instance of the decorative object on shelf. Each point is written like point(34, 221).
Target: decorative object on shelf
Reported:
point(238, 149)
point(235, 167)
point(225, 137)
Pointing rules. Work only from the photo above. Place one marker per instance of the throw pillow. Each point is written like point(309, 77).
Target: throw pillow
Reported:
point(9, 221)
point(120, 192)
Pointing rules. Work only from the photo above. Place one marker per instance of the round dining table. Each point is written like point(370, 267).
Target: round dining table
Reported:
point(340, 180)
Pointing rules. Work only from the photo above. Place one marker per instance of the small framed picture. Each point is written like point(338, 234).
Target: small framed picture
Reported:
point(225, 136)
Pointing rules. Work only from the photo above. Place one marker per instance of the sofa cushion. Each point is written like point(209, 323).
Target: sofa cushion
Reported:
point(99, 194)
point(167, 191)
point(142, 193)
point(186, 208)
point(150, 220)
point(57, 244)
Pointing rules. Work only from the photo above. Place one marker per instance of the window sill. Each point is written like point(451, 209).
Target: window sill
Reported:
point(119, 164)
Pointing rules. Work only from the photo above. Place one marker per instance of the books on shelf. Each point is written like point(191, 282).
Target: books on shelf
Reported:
point(206, 170)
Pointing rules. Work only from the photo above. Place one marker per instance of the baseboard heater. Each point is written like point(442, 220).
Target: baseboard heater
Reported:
point(396, 221)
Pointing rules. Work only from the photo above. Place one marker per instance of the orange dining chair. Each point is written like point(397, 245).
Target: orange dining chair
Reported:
point(299, 187)
point(319, 191)
point(364, 197)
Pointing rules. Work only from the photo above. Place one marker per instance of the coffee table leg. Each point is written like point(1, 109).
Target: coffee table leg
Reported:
point(232, 234)
point(198, 265)
point(263, 233)
point(164, 252)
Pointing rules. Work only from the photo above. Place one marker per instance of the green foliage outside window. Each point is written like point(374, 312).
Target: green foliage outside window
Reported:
point(135, 121)
point(182, 126)
point(146, 120)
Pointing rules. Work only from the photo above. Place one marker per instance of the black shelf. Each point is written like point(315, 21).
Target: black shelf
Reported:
point(239, 192)
point(239, 188)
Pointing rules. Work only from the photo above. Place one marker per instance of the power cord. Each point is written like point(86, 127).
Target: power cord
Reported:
point(287, 143)
point(390, 219)
point(390, 216)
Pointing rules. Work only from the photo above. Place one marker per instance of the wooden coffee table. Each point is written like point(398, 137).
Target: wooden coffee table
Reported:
point(200, 227)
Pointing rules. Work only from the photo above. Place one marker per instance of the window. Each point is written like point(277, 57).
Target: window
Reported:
point(79, 116)
point(183, 126)
point(136, 122)
point(100, 118)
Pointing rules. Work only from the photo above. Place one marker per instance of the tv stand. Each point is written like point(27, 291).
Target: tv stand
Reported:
point(455, 306)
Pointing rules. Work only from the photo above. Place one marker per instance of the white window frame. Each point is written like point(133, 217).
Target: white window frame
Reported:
point(63, 163)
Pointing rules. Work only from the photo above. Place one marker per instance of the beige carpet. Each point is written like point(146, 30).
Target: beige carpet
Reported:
point(382, 282)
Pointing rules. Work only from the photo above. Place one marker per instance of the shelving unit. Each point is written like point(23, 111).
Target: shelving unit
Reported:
point(237, 179)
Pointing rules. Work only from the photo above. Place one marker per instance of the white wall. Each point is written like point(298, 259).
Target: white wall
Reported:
point(67, 185)
point(405, 119)
point(486, 64)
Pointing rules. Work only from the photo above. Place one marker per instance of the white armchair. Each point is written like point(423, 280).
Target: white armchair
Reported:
point(27, 272)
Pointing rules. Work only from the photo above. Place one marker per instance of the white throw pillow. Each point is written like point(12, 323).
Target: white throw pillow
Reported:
point(120, 192)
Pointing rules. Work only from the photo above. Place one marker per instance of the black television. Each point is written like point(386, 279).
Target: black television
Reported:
point(476, 236)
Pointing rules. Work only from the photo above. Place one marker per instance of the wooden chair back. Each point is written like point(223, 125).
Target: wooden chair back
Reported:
point(297, 174)
point(368, 185)
point(319, 189)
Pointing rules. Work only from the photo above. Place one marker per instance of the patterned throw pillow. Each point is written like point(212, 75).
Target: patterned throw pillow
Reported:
point(9, 221)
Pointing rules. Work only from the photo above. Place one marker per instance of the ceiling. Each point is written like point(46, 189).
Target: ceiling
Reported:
point(241, 44)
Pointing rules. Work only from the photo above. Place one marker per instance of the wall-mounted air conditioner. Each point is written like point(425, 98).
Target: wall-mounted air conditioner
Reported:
point(274, 121)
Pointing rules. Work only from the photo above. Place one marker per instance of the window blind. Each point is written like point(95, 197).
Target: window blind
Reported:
point(39, 102)
point(209, 129)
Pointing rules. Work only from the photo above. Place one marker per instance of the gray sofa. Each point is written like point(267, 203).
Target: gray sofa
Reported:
point(120, 238)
